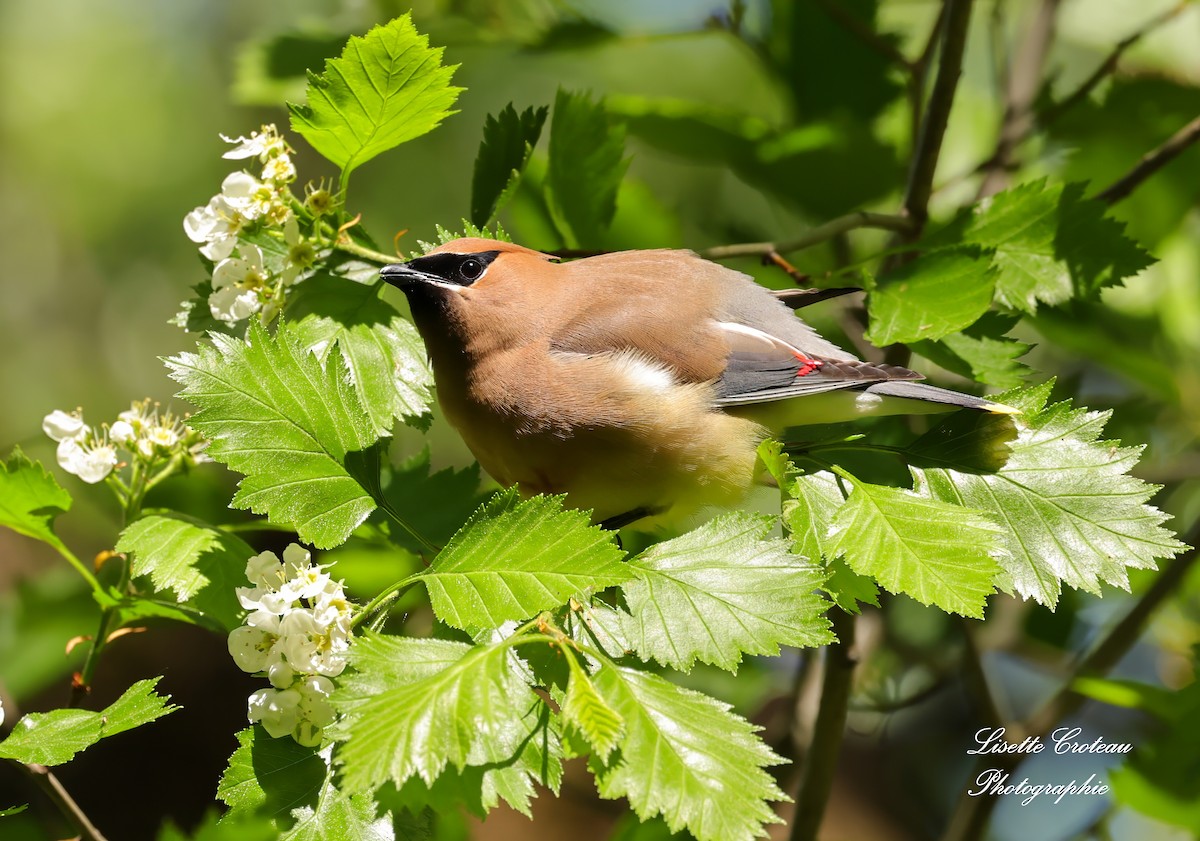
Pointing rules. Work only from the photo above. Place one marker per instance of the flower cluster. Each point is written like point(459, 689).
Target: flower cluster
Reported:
point(298, 633)
point(142, 431)
point(262, 205)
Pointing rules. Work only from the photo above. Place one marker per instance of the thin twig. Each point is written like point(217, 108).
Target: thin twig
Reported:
point(1054, 111)
point(1024, 81)
point(814, 236)
point(1106, 68)
point(820, 761)
point(860, 30)
point(920, 74)
point(971, 814)
point(975, 679)
point(937, 115)
point(48, 782)
point(1151, 163)
point(53, 788)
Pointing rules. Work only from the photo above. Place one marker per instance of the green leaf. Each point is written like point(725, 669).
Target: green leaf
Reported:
point(30, 499)
point(54, 737)
point(441, 502)
point(513, 559)
point(444, 235)
point(384, 356)
point(270, 776)
point(227, 828)
point(936, 552)
point(686, 757)
point(294, 787)
point(966, 440)
point(722, 591)
point(1161, 778)
point(1050, 243)
point(508, 141)
point(586, 167)
point(932, 296)
point(810, 502)
point(418, 707)
point(588, 713)
point(338, 816)
point(270, 70)
point(981, 352)
point(1071, 512)
point(385, 89)
point(200, 564)
point(296, 430)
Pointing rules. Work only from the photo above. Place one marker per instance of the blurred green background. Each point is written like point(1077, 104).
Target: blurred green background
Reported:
point(109, 121)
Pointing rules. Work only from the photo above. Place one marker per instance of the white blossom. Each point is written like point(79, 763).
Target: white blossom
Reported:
point(91, 462)
point(262, 144)
point(121, 432)
point(279, 169)
point(215, 226)
point(236, 283)
point(277, 710)
point(298, 631)
point(61, 426)
point(301, 255)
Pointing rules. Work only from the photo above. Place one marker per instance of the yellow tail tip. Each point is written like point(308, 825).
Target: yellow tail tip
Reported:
point(1001, 409)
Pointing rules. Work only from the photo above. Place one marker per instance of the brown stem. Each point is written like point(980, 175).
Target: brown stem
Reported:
point(920, 74)
point(957, 16)
point(975, 679)
point(1024, 81)
point(860, 30)
point(1106, 68)
point(971, 814)
point(820, 761)
point(814, 236)
point(45, 779)
point(1151, 163)
point(53, 789)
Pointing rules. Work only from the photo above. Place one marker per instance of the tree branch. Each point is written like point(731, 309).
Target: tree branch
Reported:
point(53, 789)
point(820, 761)
point(1024, 80)
point(1151, 163)
point(47, 781)
point(814, 236)
point(971, 814)
point(957, 17)
point(920, 74)
point(1106, 68)
point(852, 24)
point(975, 679)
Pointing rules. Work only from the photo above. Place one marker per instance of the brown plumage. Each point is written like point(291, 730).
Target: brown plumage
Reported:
point(638, 383)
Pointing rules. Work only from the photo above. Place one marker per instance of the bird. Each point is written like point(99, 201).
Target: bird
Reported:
point(637, 383)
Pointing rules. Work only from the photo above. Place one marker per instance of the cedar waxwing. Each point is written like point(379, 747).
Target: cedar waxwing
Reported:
point(638, 383)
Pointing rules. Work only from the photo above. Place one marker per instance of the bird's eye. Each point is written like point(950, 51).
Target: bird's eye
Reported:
point(470, 269)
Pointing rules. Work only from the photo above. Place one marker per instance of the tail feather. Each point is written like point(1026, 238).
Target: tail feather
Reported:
point(933, 394)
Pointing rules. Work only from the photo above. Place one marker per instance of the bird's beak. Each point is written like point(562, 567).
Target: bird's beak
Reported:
point(402, 275)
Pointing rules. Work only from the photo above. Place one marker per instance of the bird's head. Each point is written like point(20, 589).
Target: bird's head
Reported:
point(475, 290)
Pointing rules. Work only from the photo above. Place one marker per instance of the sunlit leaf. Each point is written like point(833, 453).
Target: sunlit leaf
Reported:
point(930, 297)
point(295, 429)
point(721, 591)
point(54, 737)
point(385, 89)
point(514, 559)
point(686, 757)
point(1070, 511)
point(30, 498)
point(938, 553)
